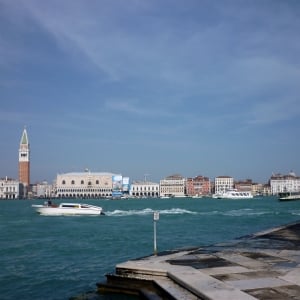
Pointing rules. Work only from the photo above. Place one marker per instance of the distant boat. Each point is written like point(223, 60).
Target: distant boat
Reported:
point(217, 196)
point(233, 194)
point(63, 209)
point(197, 196)
point(289, 196)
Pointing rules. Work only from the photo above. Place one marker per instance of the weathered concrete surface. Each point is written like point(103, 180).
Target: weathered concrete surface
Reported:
point(262, 266)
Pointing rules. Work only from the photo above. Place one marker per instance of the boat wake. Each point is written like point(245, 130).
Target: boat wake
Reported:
point(245, 212)
point(148, 211)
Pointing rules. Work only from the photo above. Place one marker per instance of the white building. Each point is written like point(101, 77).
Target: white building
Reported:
point(223, 183)
point(144, 189)
point(9, 188)
point(43, 190)
point(85, 184)
point(284, 183)
point(173, 186)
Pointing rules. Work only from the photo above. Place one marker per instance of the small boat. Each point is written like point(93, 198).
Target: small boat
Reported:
point(217, 196)
point(197, 196)
point(166, 196)
point(289, 196)
point(234, 194)
point(64, 209)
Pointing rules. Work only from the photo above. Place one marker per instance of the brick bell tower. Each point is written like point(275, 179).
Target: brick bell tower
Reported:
point(24, 163)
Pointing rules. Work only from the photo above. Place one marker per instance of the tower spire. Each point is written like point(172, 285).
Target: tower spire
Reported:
point(24, 138)
point(24, 162)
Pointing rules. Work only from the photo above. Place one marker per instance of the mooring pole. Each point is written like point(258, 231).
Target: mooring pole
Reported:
point(155, 218)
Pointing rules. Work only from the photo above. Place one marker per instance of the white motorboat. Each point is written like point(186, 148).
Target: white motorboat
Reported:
point(64, 209)
point(233, 194)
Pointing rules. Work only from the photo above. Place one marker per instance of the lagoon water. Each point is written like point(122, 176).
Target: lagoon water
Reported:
point(62, 257)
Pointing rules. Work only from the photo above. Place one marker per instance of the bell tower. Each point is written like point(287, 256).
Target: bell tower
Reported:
point(24, 162)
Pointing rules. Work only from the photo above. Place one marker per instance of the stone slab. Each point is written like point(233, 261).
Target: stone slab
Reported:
point(293, 276)
point(250, 284)
point(205, 286)
point(225, 270)
point(242, 260)
point(176, 291)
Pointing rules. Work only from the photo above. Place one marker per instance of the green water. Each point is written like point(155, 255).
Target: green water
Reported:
point(61, 257)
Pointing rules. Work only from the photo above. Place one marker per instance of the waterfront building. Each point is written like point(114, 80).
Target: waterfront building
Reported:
point(223, 183)
point(284, 183)
point(88, 185)
point(42, 190)
point(243, 185)
point(198, 186)
point(144, 189)
point(125, 186)
point(258, 189)
point(173, 186)
point(9, 188)
point(24, 164)
point(266, 190)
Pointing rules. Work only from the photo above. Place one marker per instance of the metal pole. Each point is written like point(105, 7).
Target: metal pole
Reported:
point(155, 248)
point(155, 218)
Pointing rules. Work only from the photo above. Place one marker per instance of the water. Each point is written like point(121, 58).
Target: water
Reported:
point(62, 257)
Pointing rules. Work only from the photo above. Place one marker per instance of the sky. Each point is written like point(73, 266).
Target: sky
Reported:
point(151, 88)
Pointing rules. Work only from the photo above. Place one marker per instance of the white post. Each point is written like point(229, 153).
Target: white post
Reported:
point(155, 218)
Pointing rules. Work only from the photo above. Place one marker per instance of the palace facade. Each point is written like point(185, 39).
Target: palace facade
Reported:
point(86, 184)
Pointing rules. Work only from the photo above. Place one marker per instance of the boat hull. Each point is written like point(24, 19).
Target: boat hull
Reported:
point(290, 198)
point(66, 209)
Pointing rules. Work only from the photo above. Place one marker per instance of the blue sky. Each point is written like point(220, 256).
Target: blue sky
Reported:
point(153, 87)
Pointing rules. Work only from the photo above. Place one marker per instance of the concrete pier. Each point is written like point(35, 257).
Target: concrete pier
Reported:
point(261, 266)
